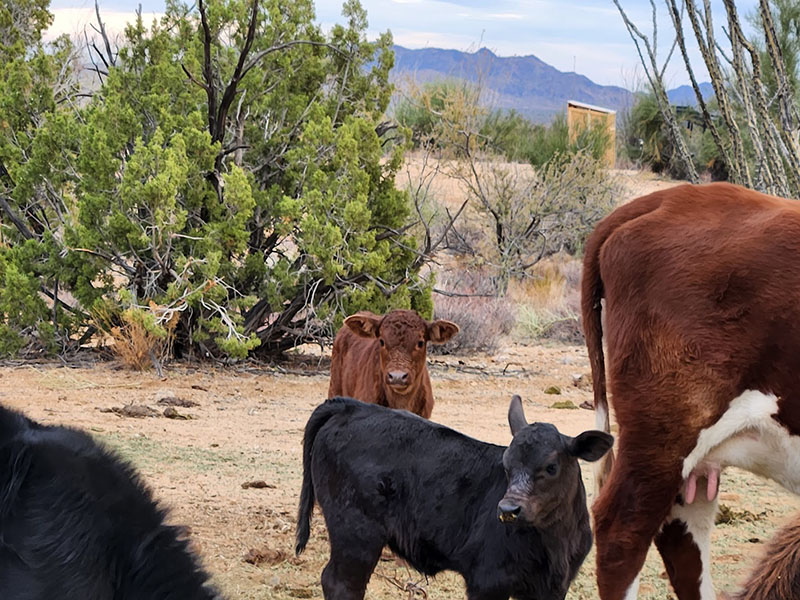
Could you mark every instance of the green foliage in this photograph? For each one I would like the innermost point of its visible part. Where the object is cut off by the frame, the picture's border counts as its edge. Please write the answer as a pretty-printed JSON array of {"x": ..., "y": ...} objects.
[
  {"x": 430, "y": 110},
  {"x": 541, "y": 143},
  {"x": 422, "y": 110},
  {"x": 244, "y": 225},
  {"x": 644, "y": 134},
  {"x": 646, "y": 141},
  {"x": 786, "y": 18}
]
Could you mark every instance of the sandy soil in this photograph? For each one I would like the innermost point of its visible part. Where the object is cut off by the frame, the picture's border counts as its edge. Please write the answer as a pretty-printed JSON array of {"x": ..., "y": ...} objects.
[
  {"x": 248, "y": 427},
  {"x": 436, "y": 177}
]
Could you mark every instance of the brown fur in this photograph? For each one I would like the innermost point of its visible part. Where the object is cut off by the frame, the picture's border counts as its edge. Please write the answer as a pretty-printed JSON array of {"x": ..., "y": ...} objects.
[
  {"x": 701, "y": 286},
  {"x": 360, "y": 365},
  {"x": 777, "y": 574},
  {"x": 681, "y": 559}
]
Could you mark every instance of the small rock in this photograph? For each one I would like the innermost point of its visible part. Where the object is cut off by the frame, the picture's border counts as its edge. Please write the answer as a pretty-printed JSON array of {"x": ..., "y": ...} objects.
[
  {"x": 264, "y": 555},
  {"x": 587, "y": 404},
  {"x": 175, "y": 401},
  {"x": 258, "y": 484},
  {"x": 553, "y": 390},
  {"x": 171, "y": 413},
  {"x": 582, "y": 381},
  {"x": 564, "y": 404},
  {"x": 132, "y": 410}
]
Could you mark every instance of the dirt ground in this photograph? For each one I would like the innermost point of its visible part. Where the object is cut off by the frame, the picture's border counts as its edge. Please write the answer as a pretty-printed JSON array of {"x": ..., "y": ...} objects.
[{"x": 247, "y": 426}]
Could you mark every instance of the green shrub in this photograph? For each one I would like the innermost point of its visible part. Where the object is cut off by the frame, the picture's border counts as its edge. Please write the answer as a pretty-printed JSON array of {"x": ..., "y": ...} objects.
[{"x": 257, "y": 205}]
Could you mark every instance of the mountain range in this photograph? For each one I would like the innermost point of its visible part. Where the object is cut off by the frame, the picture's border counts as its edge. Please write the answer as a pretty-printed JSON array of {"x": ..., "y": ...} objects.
[{"x": 523, "y": 83}]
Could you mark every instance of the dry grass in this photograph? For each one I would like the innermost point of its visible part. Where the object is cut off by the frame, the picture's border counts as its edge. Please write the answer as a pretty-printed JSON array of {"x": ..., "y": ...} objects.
[
  {"x": 134, "y": 338},
  {"x": 484, "y": 319},
  {"x": 548, "y": 302}
]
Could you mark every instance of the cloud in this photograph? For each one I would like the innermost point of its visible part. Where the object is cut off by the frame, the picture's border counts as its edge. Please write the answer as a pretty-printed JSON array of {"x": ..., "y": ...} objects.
[
  {"x": 484, "y": 16},
  {"x": 73, "y": 21},
  {"x": 585, "y": 34}
]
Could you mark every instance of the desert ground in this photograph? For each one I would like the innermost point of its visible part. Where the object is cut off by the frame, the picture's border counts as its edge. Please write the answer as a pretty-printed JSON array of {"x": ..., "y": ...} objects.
[{"x": 247, "y": 427}]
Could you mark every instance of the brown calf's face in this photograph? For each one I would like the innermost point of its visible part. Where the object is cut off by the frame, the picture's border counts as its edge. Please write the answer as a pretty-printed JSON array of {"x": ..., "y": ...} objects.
[
  {"x": 542, "y": 468},
  {"x": 403, "y": 337}
]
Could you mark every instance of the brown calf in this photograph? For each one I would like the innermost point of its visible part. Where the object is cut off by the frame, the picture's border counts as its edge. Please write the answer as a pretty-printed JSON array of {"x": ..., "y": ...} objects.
[
  {"x": 382, "y": 359},
  {"x": 702, "y": 325}
]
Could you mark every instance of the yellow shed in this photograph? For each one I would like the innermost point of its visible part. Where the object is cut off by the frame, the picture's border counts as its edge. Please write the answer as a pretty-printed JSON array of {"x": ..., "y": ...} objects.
[{"x": 581, "y": 115}]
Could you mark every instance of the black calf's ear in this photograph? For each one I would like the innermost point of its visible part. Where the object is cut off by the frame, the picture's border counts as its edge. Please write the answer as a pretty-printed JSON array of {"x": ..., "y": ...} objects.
[
  {"x": 591, "y": 445},
  {"x": 516, "y": 417}
]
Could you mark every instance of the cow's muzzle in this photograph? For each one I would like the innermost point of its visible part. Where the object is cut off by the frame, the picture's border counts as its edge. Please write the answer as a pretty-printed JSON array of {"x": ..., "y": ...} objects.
[
  {"x": 508, "y": 510},
  {"x": 397, "y": 379}
]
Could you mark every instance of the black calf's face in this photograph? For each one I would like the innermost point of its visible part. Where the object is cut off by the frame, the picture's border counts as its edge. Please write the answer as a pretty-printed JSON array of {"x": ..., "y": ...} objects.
[{"x": 542, "y": 468}]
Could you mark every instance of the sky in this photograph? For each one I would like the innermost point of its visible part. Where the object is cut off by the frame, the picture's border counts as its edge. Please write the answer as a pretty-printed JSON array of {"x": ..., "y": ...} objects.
[{"x": 585, "y": 36}]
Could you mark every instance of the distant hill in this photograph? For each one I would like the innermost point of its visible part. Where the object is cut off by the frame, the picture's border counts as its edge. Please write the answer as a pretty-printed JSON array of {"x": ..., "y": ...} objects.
[
  {"x": 685, "y": 96},
  {"x": 523, "y": 83}
]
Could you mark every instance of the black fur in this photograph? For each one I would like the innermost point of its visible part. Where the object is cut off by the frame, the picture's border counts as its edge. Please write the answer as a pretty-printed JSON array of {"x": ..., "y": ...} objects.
[
  {"x": 387, "y": 477},
  {"x": 77, "y": 524}
]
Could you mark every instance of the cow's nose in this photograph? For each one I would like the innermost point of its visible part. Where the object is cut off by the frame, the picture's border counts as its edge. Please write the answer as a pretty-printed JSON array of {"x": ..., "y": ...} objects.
[
  {"x": 508, "y": 511},
  {"x": 397, "y": 378}
]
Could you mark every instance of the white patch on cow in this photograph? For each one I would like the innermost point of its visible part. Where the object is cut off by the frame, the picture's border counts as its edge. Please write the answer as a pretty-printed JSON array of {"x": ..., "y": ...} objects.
[
  {"x": 746, "y": 436},
  {"x": 633, "y": 590},
  {"x": 699, "y": 520},
  {"x": 601, "y": 422}
]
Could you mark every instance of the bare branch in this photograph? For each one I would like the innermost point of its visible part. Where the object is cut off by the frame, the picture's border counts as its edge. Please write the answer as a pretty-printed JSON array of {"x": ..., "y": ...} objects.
[{"x": 655, "y": 78}]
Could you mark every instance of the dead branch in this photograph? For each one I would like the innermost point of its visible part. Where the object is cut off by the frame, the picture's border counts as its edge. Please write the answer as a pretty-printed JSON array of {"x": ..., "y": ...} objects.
[
  {"x": 654, "y": 76},
  {"x": 723, "y": 149},
  {"x": 703, "y": 27}
]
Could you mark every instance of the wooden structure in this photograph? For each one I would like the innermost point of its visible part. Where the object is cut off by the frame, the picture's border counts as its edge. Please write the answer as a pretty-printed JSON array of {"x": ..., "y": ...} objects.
[{"x": 580, "y": 116}]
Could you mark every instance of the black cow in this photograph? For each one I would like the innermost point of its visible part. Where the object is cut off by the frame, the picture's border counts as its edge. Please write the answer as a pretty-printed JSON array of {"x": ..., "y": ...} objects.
[
  {"x": 77, "y": 524},
  {"x": 433, "y": 495}
]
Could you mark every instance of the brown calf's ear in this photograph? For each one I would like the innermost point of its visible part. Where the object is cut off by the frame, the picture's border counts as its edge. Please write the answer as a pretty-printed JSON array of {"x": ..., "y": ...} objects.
[
  {"x": 591, "y": 445},
  {"x": 364, "y": 324},
  {"x": 516, "y": 416},
  {"x": 441, "y": 331}
]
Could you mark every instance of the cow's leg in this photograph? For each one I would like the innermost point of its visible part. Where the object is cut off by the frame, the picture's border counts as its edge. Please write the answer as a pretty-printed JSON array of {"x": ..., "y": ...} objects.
[
  {"x": 628, "y": 513},
  {"x": 355, "y": 550},
  {"x": 684, "y": 543}
]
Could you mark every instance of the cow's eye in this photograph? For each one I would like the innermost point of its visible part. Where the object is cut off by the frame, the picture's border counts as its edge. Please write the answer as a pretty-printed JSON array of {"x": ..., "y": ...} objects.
[
  {"x": 420, "y": 344},
  {"x": 551, "y": 469},
  {"x": 382, "y": 342}
]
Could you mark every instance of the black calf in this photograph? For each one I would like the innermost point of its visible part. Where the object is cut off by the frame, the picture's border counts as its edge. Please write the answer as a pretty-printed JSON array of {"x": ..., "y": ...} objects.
[
  {"x": 77, "y": 524},
  {"x": 386, "y": 477}
]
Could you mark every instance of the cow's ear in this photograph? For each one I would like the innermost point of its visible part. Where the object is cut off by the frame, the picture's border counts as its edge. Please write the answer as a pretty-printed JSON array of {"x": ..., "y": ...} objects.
[
  {"x": 364, "y": 324},
  {"x": 516, "y": 416},
  {"x": 591, "y": 445},
  {"x": 441, "y": 331}
]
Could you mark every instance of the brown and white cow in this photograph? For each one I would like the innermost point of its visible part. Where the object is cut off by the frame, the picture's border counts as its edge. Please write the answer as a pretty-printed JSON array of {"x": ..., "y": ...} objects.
[
  {"x": 382, "y": 359},
  {"x": 702, "y": 328}
]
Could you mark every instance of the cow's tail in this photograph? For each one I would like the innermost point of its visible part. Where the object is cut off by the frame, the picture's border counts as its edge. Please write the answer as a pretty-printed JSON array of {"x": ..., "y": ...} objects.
[
  {"x": 777, "y": 575},
  {"x": 591, "y": 307},
  {"x": 318, "y": 418},
  {"x": 592, "y": 294}
]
